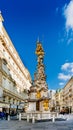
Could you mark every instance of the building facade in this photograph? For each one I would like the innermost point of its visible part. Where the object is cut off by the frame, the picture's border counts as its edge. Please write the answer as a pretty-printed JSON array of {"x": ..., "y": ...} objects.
[
  {"x": 68, "y": 95},
  {"x": 59, "y": 100},
  {"x": 15, "y": 79},
  {"x": 62, "y": 100},
  {"x": 52, "y": 101}
]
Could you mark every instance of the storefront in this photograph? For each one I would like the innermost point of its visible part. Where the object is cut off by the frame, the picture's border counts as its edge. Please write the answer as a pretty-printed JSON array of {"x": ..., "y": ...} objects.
[
  {"x": 4, "y": 107},
  {"x": 13, "y": 108},
  {"x": 20, "y": 108}
]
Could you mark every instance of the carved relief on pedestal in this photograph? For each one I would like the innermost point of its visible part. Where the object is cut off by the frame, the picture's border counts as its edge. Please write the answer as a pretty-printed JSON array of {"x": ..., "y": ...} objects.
[
  {"x": 45, "y": 104},
  {"x": 38, "y": 95}
]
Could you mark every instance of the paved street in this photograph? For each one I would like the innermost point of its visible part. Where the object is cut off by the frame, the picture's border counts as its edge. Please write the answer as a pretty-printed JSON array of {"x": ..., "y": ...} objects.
[{"x": 23, "y": 125}]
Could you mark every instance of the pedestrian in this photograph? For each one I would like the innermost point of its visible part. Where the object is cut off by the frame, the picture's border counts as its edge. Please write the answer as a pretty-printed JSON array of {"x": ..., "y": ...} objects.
[{"x": 7, "y": 115}]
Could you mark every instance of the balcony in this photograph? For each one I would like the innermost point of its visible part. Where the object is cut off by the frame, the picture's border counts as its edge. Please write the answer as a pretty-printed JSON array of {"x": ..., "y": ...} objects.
[{"x": 11, "y": 89}]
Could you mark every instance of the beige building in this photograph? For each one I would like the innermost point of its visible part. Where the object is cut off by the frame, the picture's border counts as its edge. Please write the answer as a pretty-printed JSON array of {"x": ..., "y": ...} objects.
[
  {"x": 14, "y": 77},
  {"x": 55, "y": 100},
  {"x": 52, "y": 100},
  {"x": 59, "y": 100},
  {"x": 68, "y": 95},
  {"x": 62, "y": 100}
]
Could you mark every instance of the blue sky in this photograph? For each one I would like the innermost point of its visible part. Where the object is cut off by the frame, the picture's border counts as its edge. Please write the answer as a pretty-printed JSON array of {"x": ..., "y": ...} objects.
[{"x": 52, "y": 21}]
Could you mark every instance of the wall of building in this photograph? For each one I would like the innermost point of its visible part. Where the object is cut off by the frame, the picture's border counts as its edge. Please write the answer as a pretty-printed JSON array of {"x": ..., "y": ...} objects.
[
  {"x": 14, "y": 77},
  {"x": 68, "y": 94}
]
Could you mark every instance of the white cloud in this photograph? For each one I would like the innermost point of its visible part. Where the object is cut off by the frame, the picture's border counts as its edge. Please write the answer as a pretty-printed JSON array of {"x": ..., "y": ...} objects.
[
  {"x": 68, "y": 13},
  {"x": 67, "y": 72},
  {"x": 72, "y": 70},
  {"x": 67, "y": 67},
  {"x": 62, "y": 76},
  {"x": 66, "y": 35},
  {"x": 61, "y": 83},
  {"x": 70, "y": 40}
]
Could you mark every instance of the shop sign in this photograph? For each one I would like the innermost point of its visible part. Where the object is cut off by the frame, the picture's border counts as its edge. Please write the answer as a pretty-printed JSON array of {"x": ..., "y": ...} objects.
[{"x": 2, "y": 105}]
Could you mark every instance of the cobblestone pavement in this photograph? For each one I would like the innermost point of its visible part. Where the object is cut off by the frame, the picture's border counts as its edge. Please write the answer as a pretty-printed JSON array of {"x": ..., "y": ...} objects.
[{"x": 23, "y": 125}]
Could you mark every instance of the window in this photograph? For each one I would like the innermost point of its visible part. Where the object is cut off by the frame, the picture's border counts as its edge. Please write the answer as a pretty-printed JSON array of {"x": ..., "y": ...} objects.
[
  {"x": 9, "y": 57},
  {"x": 4, "y": 61},
  {"x": 4, "y": 82},
  {"x": 3, "y": 50}
]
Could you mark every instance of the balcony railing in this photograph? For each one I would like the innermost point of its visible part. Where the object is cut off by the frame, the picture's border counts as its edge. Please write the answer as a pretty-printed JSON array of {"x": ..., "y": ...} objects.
[{"x": 13, "y": 90}]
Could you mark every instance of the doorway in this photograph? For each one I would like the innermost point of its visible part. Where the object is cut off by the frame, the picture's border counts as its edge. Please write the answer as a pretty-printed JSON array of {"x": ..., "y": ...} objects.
[{"x": 37, "y": 106}]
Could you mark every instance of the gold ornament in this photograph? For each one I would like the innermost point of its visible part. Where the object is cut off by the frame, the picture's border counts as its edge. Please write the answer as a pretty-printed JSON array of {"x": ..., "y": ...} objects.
[{"x": 38, "y": 95}]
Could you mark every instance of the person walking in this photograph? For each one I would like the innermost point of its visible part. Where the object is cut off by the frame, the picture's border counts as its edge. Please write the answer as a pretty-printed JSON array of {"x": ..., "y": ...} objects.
[{"x": 7, "y": 115}]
